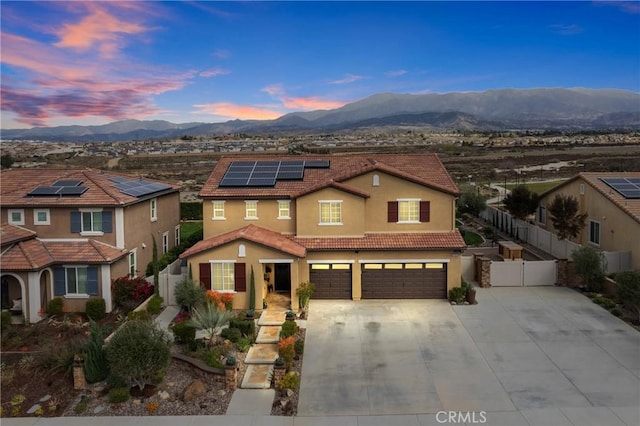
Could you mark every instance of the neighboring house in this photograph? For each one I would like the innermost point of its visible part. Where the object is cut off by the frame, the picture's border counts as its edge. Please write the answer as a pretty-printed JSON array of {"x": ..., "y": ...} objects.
[
  {"x": 70, "y": 233},
  {"x": 357, "y": 226},
  {"x": 612, "y": 203}
]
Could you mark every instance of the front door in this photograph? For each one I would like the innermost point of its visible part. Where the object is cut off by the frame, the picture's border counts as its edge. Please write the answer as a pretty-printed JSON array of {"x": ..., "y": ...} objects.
[{"x": 282, "y": 277}]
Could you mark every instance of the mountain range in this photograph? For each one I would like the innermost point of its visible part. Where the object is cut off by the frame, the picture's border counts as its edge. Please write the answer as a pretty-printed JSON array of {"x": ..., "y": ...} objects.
[{"x": 504, "y": 109}]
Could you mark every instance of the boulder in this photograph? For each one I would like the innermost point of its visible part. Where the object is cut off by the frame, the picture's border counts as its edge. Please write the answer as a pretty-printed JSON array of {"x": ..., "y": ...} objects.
[{"x": 194, "y": 390}]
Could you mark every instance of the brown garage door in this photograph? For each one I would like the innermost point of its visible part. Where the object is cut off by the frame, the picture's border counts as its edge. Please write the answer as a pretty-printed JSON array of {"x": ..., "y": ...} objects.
[
  {"x": 404, "y": 281},
  {"x": 332, "y": 281}
]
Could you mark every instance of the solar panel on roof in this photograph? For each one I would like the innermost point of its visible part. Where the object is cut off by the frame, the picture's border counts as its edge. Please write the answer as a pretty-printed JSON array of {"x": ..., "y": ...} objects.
[
  {"x": 290, "y": 175},
  {"x": 629, "y": 188},
  {"x": 634, "y": 180},
  {"x": 73, "y": 190},
  {"x": 631, "y": 194},
  {"x": 266, "y": 173},
  {"x": 261, "y": 182},
  {"x": 139, "y": 187},
  {"x": 118, "y": 179},
  {"x": 316, "y": 164},
  {"x": 45, "y": 190},
  {"x": 67, "y": 182}
]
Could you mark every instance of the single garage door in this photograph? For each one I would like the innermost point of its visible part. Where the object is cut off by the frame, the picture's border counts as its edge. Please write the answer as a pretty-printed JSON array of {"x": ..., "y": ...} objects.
[
  {"x": 404, "y": 281},
  {"x": 332, "y": 281}
]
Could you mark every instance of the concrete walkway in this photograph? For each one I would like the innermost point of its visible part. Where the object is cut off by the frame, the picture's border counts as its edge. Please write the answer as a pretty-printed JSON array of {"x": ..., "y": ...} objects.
[{"x": 165, "y": 317}]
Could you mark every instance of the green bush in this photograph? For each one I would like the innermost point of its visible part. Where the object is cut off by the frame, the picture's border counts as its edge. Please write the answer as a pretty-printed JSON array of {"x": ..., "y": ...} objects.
[
  {"x": 232, "y": 334},
  {"x": 139, "y": 353},
  {"x": 55, "y": 306},
  {"x": 243, "y": 344},
  {"x": 289, "y": 328},
  {"x": 185, "y": 333},
  {"x": 246, "y": 326},
  {"x": 213, "y": 357},
  {"x": 5, "y": 320},
  {"x": 96, "y": 366},
  {"x": 590, "y": 264},
  {"x": 139, "y": 315},
  {"x": 605, "y": 302},
  {"x": 628, "y": 290},
  {"x": 458, "y": 295},
  {"x": 191, "y": 210},
  {"x": 189, "y": 294},
  {"x": 154, "y": 306},
  {"x": 304, "y": 292},
  {"x": 96, "y": 308},
  {"x": 291, "y": 380},
  {"x": 118, "y": 395},
  {"x": 616, "y": 312},
  {"x": 299, "y": 346}
]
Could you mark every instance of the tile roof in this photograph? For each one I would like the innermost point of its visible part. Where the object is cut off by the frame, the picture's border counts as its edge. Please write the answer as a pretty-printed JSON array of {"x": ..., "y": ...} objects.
[
  {"x": 424, "y": 169},
  {"x": 629, "y": 206},
  {"x": 17, "y": 183},
  {"x": 36, "y": 254},
  {"x": 386, "y": 241},
  {"x": 251, "y": 233},
  {"x": 13, "y": 234}
]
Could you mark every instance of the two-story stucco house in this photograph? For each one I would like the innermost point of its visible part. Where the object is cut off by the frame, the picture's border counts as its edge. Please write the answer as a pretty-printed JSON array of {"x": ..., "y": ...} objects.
[
  {"x": 612, "y": 204},
  {"x": 357, "y": 226},
  {"x": 70, "y": 233}
]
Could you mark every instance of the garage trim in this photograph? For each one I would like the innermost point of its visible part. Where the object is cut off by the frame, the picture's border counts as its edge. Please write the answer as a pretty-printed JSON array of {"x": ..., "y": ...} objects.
[
  {"x": 311, "y": 262},
  {"x": 404, "y": 260}
]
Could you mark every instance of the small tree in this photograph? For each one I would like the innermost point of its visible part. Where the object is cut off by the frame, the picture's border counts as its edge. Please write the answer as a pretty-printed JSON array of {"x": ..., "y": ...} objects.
[
  {"x": 304, "y": 292},
  {"x": 471, "y": 201},
  {"x": 139, "y": 353},
  {"x": 590, "y": 264},
  {"x": 156, "y": 268},
  {"x": 252, "y": 291},
  {"x": 189, "y": 294},
  {"x": 564, "y": 215},
  {"x": 521, "y": 202},
  {"x": 628, "y": 290}
]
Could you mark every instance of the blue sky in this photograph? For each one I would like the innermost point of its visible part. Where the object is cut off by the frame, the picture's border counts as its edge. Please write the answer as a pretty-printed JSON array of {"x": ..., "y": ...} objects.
[{"x": 95, "y": 62}]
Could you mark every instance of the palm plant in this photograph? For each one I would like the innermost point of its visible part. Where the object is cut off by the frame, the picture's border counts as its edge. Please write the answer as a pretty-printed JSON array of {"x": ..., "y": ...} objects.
[{"x": 207, "y": 317}]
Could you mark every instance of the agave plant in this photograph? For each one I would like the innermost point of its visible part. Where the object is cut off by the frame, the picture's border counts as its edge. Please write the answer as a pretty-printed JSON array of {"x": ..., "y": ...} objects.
[{"x": 209, "y": 318}]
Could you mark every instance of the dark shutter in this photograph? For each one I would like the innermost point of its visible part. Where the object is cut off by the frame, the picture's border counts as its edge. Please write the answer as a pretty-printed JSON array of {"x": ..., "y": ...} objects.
[
  {"x": 240, "y": 274},
  {"x": 107, "y": 227},
  {"x": 76, "y": 222},
  {"x": 392, "y": 211},
  {"x": 59, "y": 282},
  {"x": 205, "y": 275},
  {"x": 425, "y": 211},
  {"x": 92, "y": 280}
]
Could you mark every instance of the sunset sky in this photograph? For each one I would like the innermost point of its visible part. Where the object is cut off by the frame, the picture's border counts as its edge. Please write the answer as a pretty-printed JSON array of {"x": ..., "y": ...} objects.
[{"x": 95, "y": 62}]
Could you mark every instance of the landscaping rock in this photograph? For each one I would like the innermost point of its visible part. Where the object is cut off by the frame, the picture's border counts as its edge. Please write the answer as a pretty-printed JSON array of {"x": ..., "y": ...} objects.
[
  {"x": 194, "y": 390},
  {"x": 164, "y": 395},
  {"x": 288, "y": 393},
  {"x": 34, "y": 409},
  {"x": 99, "y": 409},
  {"x": 45, "y": 398}
]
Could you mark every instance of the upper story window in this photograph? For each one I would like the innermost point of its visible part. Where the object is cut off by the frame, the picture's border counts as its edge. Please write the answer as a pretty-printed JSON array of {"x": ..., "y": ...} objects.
[
  {"x": 376, "y": 180},
  {"x": 154, "y": 209},
  {"x": 91, "y": 222},
  {"x": 16, "y": 216},
  {"x": 133, "y": 260},
  {"x": 41, "y": 217},
  {"x": 542, "y": 215},
  {"x": 594, "y": 232},
  {"x": 251, "y": 209},
  {"x": 218, "y": 210},
  {"x": 330, "y": 212},
  {"x": 176, "y": 235},
  {"x": 284, "y": 209},
  {"x": 165, "y": 242},
  {"x": 409, "y": 211}
]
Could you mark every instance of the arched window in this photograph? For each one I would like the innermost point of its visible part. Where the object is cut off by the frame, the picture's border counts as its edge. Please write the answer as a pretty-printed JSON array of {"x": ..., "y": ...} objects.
[
  {"x": 376, "y": 180},
  {"x": 242, "y": 251}
]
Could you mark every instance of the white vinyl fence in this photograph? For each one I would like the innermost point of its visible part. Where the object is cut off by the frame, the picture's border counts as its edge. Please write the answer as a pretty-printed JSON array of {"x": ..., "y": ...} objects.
[
  {"x": 546, "y": 241},
  {"x": 168, "y": 278}
]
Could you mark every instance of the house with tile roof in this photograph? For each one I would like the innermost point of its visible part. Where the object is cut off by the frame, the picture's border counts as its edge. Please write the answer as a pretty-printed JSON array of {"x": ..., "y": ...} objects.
[
  {"x": 612, "y": 204},
  {"x": 357, "y": 226},
  {"x": 70, "y": 232}
]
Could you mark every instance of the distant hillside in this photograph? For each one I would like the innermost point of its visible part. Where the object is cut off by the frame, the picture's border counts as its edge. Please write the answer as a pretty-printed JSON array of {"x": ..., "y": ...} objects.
[{"x": 575, "y": 109}]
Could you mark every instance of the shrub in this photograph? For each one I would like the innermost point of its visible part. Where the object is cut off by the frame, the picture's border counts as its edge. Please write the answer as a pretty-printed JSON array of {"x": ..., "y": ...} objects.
[
  {"x": 139, "y": 315},
  {"x": 291, "y": 380},
  {"x": 458, "y": 295},
  {"x": 286, "y": 350},
  {"x": 589, "y": 263},
  {"x": 628, "y": 289},
  {"x": 185, "y": 333},
  {"x": 60, "y": 358},
  {"x": 96, "y": 309},
  {"x": 605, "y": 302},
  {"x": 299, "y": 346},
  {"x": 55, "y": 306},
  {"x": 243, "y": 344},
  {"x": 139, "y": 353},
  {"x": 130, "y": 292},
  {"x": 82, "y": 405},
  {"x": 118, "y": 395},
  {"x": 304, "y": 292},
  {"x": 189, "y": 294},
  {"x": 616, "y": 312},
  {"x": 232, "y": 334},
  {"x": 209, "y": 319},
  {"x": 289, "y": 328},
  {"x": 246, "y": 326},
  {"x": 221, "y": 300},
  {"x": 213, "y": 357},
  {"x": 96, "y": 367},
  {"x": 182, "y": 316},
  {"x": 5, "y": 320},
  {"x": 154, "y": 306}
]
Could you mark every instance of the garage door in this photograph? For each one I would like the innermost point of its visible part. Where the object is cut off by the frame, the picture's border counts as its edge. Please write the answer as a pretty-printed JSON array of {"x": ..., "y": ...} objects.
[
  {"x": 332, "y": 281},
  {"x": 404, "y": 281}
]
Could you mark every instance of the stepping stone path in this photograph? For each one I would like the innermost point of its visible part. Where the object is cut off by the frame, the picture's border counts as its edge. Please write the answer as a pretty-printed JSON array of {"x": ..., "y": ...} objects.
[{"x": 263, "y": 354}]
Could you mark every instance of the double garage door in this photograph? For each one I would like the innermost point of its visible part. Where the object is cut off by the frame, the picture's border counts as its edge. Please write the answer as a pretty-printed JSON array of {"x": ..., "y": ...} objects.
[{"x": 381, "y": 280}]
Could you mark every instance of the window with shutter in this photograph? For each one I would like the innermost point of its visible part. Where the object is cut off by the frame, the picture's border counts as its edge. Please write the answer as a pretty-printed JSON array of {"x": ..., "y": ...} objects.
[
  {"x": 425, "y": 211},
  {"x": 392, "y": 211},
  {"x": 240, "y": 272},
  {"x": 205, "y": 275}
]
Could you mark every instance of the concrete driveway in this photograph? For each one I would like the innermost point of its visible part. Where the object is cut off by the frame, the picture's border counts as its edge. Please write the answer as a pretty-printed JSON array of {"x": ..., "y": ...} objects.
[{"x": 541, "y": 355}]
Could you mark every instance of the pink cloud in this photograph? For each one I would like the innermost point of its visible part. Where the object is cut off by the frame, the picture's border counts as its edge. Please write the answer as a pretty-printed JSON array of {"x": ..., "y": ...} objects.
[
  {"x": 349, "y": 78},
  {"x": 276, "y": 89},
  {"x": 214, "y": 72},
  {"x": 310, "y": 103},
  {"x": 236, "y": 111}
]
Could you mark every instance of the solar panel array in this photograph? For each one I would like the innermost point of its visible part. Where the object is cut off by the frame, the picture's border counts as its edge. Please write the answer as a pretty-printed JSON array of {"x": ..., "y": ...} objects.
[
  {"x": 60, "y": 188},
  {"x": 266, "y": 173},
  {"x": 138, "y": 187},
  {"x": 627, "y": 187}
]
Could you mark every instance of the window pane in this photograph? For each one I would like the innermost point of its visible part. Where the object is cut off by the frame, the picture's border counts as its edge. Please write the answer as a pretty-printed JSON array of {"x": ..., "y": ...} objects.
[
  {"x": 409, "y": 211},
  {"x": 373, "y": 266},
  {"x": 324, "y": 213},
  {"x": 97, "y": 221},
  {"x": 434, "y": 265},
  {"x": 82, "y": 280},
  {"x": 319, "y": 266},
  {"x": 393, "y": 266},
  {"x": 413, "y": 266},
  {"x": 42, "y": 216},
  {"x": 71, "y": 280},
  {"x": 86, "y": 221},
  {"x": 341, "y": 266}
]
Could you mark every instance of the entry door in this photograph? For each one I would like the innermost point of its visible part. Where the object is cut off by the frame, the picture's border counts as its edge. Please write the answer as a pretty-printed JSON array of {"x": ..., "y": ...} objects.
[{"x": 282, "y": 277}]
